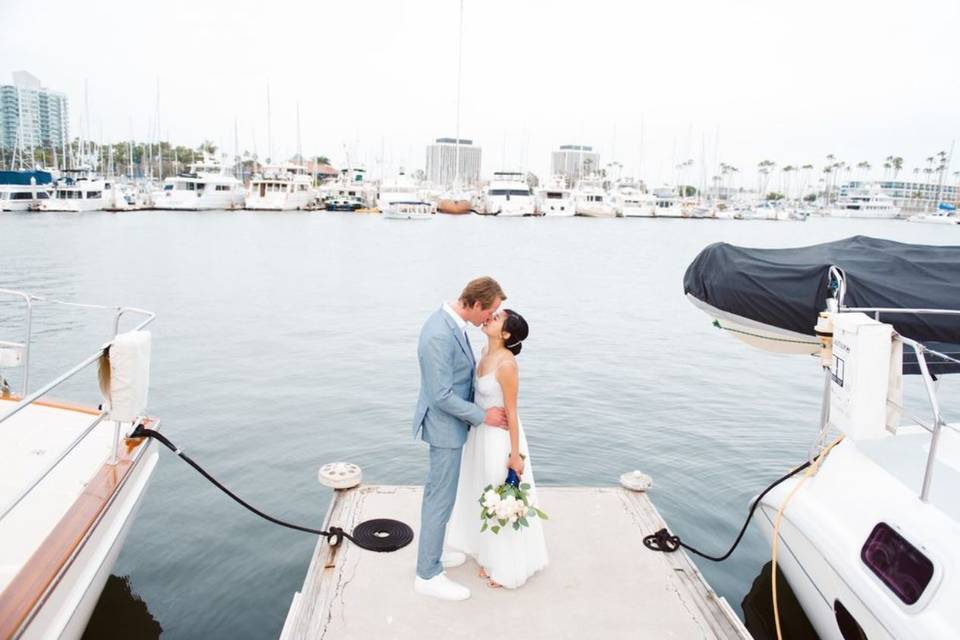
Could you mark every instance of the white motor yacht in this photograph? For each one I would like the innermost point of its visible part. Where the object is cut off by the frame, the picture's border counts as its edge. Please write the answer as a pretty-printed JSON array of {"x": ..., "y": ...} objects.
[
  {"x": 633, "y": 202},
  {"x": 508, "y": 195},
  {"x": 555, "y": 199},
  {"x": 865, "y": 202},
  {"x": 281, "y": 187},
  {"x": 667, "y": 203},
  {"x": 592, "y": 201},
  {"x": 400, "y": 188},
  {"x": 24, "y": 190},
  {"x": 349, "y": 192},
  {"x": 866, "y": 535},
  {"x": 409, "y": 210},
  {"x": 208, "y": 186},
  {"x": 79, "y": 190},
  {"x": 71, "y": 481}
]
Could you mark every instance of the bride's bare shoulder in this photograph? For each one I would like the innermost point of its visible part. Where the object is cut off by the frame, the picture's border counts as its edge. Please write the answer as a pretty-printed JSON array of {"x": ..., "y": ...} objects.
[{"x": 507, "y": 364}]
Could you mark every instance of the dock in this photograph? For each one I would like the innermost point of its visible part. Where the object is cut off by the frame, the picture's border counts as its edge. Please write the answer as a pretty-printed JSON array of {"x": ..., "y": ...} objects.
[{"x": 601, "y": 582}]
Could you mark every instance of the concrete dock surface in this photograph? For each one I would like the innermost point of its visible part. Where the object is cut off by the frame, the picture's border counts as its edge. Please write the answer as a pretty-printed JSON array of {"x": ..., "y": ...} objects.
[{"x": 601, "y": 582}]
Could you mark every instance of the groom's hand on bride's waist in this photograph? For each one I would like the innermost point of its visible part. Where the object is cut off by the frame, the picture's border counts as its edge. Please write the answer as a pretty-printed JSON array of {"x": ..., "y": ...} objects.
[{"x": 496, "y": 417}]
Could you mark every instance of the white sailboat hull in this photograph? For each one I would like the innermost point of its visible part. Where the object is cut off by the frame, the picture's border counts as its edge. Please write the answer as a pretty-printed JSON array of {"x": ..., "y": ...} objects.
[
  {"x": 66, "y": 610},
  {"x": 830, "y": 518}
]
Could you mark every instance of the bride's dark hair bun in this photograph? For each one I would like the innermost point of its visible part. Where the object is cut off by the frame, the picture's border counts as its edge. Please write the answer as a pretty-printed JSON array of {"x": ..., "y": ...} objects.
[{"x": 516, "y": 326}]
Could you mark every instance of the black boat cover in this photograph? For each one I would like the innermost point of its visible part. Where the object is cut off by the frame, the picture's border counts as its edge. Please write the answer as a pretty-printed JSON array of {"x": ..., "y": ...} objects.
[{"x": 788, "y": 288}]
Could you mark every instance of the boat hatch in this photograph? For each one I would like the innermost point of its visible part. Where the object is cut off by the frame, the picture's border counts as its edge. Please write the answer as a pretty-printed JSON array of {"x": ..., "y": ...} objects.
[{"x": 903, "y": 568}]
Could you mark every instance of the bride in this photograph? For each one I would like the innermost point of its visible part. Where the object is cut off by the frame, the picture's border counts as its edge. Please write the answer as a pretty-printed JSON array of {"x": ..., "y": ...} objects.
[{"x": 511, "y": 556}]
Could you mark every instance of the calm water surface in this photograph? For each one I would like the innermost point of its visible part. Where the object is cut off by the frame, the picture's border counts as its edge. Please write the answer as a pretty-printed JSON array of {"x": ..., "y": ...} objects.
[{"x": 285, "y": 341}]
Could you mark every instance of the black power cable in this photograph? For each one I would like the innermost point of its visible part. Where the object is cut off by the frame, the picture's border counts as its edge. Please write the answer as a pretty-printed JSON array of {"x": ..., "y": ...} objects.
[
  {"x": 381, "y": 534},
  {"x": 664, "y": 541}
]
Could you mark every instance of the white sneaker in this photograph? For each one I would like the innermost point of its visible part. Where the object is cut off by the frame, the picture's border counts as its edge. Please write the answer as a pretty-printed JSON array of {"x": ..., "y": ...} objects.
[
  {"x": 441, "y": 587},
  {"x": 451, "y": 559}
]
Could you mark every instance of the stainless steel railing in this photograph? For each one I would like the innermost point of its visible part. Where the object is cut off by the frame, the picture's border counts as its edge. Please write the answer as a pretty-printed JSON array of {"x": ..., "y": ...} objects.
[
  {"x": 28, "y": 399},
  {"x": 920, "y": 351}
]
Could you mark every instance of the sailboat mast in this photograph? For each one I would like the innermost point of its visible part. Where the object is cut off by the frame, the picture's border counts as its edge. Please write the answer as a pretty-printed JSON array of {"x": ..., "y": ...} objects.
[
  {"x": 456, "y": 162},
  {"x": 299, "y": 149},
  {"x": 269, "y": 129},
  {"x": 237, "y": 169}
]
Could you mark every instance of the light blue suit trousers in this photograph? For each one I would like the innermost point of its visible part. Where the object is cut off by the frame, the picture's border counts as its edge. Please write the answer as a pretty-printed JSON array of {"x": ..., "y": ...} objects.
[{"x": 445, "y": 411}]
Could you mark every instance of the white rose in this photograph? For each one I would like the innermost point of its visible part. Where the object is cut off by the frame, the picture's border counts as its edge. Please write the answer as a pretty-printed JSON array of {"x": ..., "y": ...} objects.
[
  {"x": 503, "y": 510},
  {"x": 513, "y": 518},
  {"x": 491, "y": 499}
]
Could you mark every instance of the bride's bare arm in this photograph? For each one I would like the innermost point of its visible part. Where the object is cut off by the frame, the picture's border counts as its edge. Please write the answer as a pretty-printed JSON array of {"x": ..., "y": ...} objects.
[{"x": 509, "y": 378}]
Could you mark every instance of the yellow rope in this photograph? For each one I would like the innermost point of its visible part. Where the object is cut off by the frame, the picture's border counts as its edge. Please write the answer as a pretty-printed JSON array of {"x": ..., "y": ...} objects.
[{"x": 811, "y": 470}]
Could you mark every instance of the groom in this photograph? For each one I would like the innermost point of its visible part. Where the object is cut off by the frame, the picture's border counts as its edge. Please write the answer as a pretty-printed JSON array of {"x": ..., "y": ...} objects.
[{"x": 445, "y": 412}]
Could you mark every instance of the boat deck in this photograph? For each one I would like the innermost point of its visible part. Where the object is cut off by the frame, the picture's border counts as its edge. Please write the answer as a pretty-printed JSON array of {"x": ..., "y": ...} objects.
[
  {"x": 30, "y": 441},
  {"x": 601, "y": 582}
]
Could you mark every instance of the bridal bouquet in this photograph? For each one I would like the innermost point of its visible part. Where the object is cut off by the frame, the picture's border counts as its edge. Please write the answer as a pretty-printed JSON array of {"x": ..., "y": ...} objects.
[{"x": 508, "y": 504}]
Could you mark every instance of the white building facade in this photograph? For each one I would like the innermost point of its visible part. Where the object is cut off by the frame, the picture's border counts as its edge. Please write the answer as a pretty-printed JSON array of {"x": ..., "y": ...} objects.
[
  {"x": 574, "y": 161},
  {"x": 32, "y": 117},
  {"x": 442, "y": 162}
]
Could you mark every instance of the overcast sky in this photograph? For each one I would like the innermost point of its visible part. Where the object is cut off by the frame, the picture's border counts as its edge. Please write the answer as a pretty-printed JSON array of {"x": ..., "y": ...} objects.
[{"x": 785, "y": 81}]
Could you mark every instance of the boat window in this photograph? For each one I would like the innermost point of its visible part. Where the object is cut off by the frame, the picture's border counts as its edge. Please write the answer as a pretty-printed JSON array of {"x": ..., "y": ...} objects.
[
  {"x": 23, "y": 195},
  {"x": 223, "y": 187},
  {"x": 554, "y": 195},
  {"x": 168, "y": 187},
  {"x": 93, "y": 194},
  {"x": 900, "y": 566},
  {"x": 43, "y": 195},
  {"x": 106, "y": 185},
  {"x": 201, "y": 185},
  {"x": 850, "y": 629}
]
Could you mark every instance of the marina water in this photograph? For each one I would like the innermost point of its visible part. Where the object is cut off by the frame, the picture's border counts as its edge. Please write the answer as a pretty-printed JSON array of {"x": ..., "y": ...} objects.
[{"x": 285, "y": 341}]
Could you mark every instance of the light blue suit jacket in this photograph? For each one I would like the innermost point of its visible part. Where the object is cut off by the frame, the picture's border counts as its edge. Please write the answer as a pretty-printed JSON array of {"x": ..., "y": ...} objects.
[{"x": 445, "y": 409}]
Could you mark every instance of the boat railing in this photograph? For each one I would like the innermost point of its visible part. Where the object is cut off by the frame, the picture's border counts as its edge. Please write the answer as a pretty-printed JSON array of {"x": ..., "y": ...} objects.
[
  {"x": 921, "y": 351},
  {"x": 28, "y": 398}
]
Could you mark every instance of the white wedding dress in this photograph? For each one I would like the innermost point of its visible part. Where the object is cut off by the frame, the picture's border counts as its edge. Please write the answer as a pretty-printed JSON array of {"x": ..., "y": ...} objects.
[{"x": 509, "y": 557}]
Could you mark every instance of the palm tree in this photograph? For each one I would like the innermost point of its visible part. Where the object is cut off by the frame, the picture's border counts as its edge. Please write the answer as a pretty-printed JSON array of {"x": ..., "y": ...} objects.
[
  {"x": 864, "y": 166},
  {"x": 897, "y": 163},
  {"x": 807, "y": 169},
  {"x": 764, "y": 168},
  {"x": 786, "y": 179}
]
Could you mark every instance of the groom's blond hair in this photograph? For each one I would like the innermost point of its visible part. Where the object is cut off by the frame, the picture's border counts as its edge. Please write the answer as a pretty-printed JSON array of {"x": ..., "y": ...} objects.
[{"x": 484, "y": 290}]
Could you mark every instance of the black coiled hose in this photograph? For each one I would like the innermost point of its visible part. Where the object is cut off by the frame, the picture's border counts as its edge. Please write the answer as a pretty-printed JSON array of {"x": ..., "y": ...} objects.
[{"x": 382, "y": 535}]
